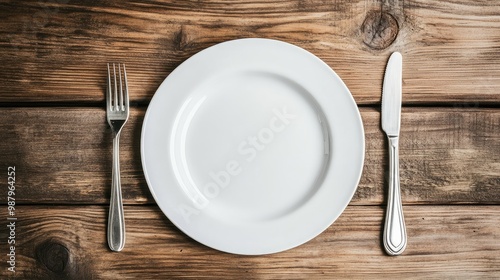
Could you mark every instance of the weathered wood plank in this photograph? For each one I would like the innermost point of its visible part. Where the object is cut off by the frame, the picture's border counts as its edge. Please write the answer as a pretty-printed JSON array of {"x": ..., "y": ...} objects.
[
  {"x": 56, "y": 50},
  {"x": 449, "y": 154},
  {"x": 69, "y": 242},
  {"x": 63, "y": 155}
]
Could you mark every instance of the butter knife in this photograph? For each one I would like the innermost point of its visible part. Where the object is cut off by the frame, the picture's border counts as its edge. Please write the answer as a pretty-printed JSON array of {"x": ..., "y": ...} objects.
[{"x": 394, "y": 237}]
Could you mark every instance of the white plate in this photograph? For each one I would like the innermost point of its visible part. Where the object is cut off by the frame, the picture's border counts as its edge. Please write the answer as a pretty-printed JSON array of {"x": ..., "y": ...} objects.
[{"x": 252, "y": 146}]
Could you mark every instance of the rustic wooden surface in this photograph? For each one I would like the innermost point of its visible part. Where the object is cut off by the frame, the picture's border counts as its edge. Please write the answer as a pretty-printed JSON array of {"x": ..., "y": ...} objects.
[
  {"x": 53, "y": 127},
  {"x": 446, "y": 242},
  {"x": 450, "y": 48},
  {"x": 448, "y": 155}
]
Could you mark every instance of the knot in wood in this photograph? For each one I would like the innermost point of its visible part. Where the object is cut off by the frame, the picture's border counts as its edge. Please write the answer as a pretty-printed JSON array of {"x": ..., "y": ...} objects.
[
  {"x": 53, "y": 255},
  {"x": 181, "y": 40},
  {"x": 379, "y": 30}
]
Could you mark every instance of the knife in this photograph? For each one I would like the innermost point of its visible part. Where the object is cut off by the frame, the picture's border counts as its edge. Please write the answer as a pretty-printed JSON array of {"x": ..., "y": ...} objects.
[{"x": 394, "y": 237}]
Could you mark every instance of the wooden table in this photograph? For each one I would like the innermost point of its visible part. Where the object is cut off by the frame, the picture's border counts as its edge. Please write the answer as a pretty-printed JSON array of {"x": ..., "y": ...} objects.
[{"x": 54, "y": 132}]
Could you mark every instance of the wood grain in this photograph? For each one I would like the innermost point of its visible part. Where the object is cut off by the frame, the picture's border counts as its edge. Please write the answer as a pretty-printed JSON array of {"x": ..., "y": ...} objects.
[
  {"x": 55, "y": 51},
  {"x": 52, "y": 121},
  {"x": 63, "y": 155},
  {"x": 444, "y": 242}
]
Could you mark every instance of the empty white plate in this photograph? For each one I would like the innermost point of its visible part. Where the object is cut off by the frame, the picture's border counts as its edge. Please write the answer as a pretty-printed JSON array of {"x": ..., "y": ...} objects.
[{"x": 252, "y": 146}]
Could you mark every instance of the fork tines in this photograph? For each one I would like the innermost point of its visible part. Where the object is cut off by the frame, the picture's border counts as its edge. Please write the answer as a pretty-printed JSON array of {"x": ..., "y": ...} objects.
[{"x": 117, "y": 91}]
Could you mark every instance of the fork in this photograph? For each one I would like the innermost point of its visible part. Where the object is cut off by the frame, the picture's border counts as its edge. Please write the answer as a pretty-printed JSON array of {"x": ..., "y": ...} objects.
[{"x": 117, "y": 112}]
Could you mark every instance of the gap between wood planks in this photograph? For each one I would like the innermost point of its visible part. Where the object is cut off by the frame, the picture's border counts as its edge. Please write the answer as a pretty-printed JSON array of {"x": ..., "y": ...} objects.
[{"x": 102, "y": 104}]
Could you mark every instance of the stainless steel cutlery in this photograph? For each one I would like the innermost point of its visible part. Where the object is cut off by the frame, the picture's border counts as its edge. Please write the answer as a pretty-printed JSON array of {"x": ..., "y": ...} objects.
[
  {"x": 117, "y": 111},
  {"x": 394, "y": 236}
]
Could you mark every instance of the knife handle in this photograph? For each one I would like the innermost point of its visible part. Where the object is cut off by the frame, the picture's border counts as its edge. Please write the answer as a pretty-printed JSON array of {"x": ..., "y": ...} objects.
[
  {"x": 395, "y": 230},
  {"x": 116, "y": 220}
]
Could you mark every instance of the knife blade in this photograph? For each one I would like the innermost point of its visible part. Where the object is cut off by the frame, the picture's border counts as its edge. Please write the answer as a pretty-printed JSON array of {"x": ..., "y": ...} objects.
[
  {"x": 394, "y": 237},
  {"x": 392, "y": 95}
]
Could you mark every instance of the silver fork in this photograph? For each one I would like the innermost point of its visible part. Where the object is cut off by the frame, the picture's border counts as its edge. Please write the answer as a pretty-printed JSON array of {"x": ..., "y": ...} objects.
[{"x": 117, "y": 111}]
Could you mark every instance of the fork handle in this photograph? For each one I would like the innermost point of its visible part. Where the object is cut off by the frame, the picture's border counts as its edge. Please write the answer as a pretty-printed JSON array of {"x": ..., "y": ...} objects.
[
  {"x": 395, "y": 230},
  {"x": 116, "y": 221}
]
